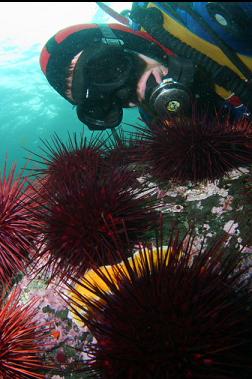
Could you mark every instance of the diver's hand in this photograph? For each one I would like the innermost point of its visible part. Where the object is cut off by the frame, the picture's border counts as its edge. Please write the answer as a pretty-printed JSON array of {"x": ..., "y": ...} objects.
[{"x": 158, "y": 72}]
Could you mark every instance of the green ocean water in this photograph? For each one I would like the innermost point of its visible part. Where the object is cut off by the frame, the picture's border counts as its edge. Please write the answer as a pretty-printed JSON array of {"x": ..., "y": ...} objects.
[
  {"x": 31, "y": 112},
  {"x": 31, "y": 109}
]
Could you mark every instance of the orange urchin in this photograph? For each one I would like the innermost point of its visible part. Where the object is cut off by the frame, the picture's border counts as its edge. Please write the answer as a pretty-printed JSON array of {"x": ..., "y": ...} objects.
[{"x": 165, "y": 315}]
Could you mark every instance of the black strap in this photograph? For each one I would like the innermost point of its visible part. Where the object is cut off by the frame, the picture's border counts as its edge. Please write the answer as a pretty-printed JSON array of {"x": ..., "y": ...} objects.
[
  {"x": 109, "y": 37},
  {"x": 226, "y": 49}
]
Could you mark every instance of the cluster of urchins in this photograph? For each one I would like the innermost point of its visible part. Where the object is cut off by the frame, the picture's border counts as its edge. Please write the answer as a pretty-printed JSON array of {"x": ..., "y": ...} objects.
[{"x": 155, "y": 309}]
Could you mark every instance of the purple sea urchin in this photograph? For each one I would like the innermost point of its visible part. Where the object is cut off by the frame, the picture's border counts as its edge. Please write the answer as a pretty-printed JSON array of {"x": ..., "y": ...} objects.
[
  {"x": 21, "y": 340},
  {"x": 18, "y": 226},
  {"x": 83, "y": 204},
  {"x": 169, "y": 317},
  {"x": 196, "y": 149}
]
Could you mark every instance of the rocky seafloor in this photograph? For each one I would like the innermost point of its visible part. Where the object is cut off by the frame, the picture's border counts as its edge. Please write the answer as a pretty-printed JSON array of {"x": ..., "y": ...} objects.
[{"x": 213, "y": 209}]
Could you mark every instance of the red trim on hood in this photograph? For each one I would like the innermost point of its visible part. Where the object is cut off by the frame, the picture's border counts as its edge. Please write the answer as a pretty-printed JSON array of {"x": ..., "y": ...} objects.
[
  {"x": 44, "y": 58},
  {"x": 64, "y": 33},
  {"x": 234, "y": 101}
]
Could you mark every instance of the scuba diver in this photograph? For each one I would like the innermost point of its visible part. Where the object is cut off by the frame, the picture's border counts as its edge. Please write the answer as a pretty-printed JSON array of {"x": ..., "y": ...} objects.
[{"x": 170, "y": 56}]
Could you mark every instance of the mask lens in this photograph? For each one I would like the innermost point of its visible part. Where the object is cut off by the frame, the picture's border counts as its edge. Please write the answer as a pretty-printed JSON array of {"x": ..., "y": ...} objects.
[
  {"x": 100, "y": 116},
  {"x": 110, "y": 71}
]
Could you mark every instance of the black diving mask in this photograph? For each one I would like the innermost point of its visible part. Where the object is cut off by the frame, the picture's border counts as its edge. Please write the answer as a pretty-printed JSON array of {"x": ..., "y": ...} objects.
[{"x": 104, "y": 97}]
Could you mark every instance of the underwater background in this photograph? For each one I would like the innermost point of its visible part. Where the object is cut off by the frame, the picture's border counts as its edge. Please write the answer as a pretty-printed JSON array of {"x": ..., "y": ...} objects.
[
  {"x": 30, "y": 108},
  {"x": 32, "y": 111}
]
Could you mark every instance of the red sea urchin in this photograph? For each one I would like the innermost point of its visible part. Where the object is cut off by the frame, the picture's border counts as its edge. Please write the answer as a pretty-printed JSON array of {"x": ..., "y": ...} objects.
[
  {"x": 21, "y": 339},
  {"x": 194, "y": 149},
  {"x": 83, "y": 202},
  {"x": 18, "y": 227},
  {"x": 62, "y": 162},
  {"x": 169, "y": 316}
]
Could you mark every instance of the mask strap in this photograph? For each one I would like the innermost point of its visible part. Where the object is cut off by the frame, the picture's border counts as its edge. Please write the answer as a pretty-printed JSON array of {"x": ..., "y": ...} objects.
[{"x": 109, "y": 37}]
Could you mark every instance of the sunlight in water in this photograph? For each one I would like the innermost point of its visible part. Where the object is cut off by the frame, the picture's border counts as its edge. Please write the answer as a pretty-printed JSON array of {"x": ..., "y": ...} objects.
[{"x": 23, "y": 23}]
